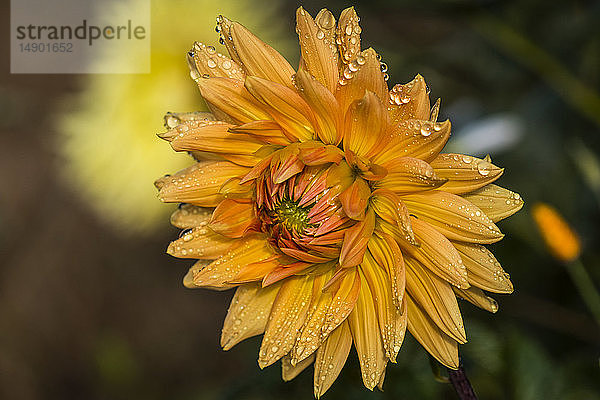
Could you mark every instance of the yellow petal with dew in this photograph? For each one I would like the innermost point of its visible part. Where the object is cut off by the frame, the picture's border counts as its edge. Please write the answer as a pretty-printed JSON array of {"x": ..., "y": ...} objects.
[
  {"x": 410, "y": 101},
  {"x": 365, "y": 124},
  {"x": 441, "y": 346},
  {"x": 495, "y": 201},
  {"x": 484, "y": 270},
  {"x": 248, "y": 313},
  {"x": 287, "y": 316},
  {"x": 408, "y": 175},
  {"x": 318, "y": 55},
  {"x": 199, "y": 184},
  {"x": 453, "y": 216},
  {"x": 477, "y": 297},
  {"x": 200, "y": 243},
  {"x": 464, "y": 173},
  {"x": 289, "y": 371},
  {"x": 205, "y": 61},
  {"x": 233, "y": 218},
  {"x": 367, "y": 339},
  {"x": 436, "y": 298},
  {"x": 348, "y": 35},
  {"x": 188, "y": 216},
  {"x": 331, "y": 357}
]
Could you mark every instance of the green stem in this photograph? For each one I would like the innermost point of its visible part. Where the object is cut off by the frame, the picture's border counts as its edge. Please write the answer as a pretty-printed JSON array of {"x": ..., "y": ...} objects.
[
  {"x": 576, "y": 93},
  {"x": 585, "y": 286}
]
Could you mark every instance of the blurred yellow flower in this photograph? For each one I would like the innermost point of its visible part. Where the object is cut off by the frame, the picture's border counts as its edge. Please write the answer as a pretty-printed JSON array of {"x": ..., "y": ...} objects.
[
  {"x": 561, "y": 240},
  {"x": 323, "y": 197},
  {"x": 108, "y": 156}
]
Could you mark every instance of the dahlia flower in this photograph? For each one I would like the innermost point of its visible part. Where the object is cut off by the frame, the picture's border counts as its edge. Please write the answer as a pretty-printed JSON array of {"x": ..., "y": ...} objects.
[{"x": 323, "y": 198}]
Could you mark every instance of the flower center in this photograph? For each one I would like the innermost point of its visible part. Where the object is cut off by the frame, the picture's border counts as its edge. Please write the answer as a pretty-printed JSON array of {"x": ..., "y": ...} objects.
[{"x": 291, "y": 215}]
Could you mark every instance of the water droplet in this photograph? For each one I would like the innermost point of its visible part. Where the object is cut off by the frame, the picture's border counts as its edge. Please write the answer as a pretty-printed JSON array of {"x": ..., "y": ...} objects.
[
  {"x": 320, "y": 35},
  {"x": 211, "y": 50},
  {"x": 211, "y": 63},
  {"x": 483, "y": 168}
]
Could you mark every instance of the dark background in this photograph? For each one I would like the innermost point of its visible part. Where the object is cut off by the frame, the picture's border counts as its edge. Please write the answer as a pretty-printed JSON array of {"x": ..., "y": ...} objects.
[{"x": 91, "y": 310}]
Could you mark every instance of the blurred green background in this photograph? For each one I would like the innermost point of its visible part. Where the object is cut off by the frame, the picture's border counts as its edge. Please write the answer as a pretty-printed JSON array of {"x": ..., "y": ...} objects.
[{"x": 92, "y": 308}]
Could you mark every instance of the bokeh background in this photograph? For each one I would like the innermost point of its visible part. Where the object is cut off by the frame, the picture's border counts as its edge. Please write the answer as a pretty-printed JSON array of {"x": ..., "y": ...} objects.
[{"x": 92, "y": 308}]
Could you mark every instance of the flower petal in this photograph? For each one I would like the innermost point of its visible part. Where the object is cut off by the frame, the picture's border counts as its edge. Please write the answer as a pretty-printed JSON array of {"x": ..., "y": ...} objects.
[
  {"x": 414, "y": 138},
  {"x": 316, "y": 153},
  {"x": 367, "y": 339},
  {"x": 437, "y": 254},
  {"x": 408, "y": 174},
  {"x": 188, "y": 216},
  {"x": 484, "y": 270},
  {"x": 392, "y": 323},
  {"x": 285, "y": 106},
  {"x": 331, "y": 357},
  {"x": 229, "y": 100},
  {"x": 200, "y": 243},
  {"x": 348, "y": 35},
  {"x": 289, "y": 371},
  {"x": 464, "y": 173},
  {"x": 285, "y": 164},
  {"x": 387, "y": 255},
  {"x": 345, "y": 293},
  {"x": 318, "y": 54},
  {"x": 233, "y": 218},
  {"x": 214, "y": 137},
  {"x": 410, "y": 101},
  {"x": 477, "y": 297},
  {"x": 361, "y": 75},
  {"x": 355, "y": 241},
  {"x": 218, "y": 273},
  {"x": 204, "y": 60},
  {"x": 453, "y": 216},
  {"x": 257, "y": 58},
  {"x": 286, "y": 318},
  {"x": 390, "y": 208},
  {"x": 441, "y": 346},
  {"x": 327, "y": 113},
  {"x": 364, "y": 125},
  {"x": 355, "y": 199},
  {"x": 495, "y": 201},
  {"x": 435, "y": 297},
  {"x": 248, "y": 313},
  {"x": 199, "y": 184},
  {"x": 268, "y": 132}
]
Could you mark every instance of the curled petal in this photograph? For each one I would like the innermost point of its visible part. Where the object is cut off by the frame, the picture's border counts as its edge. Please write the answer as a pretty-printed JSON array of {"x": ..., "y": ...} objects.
[
  {"x": 327, "y": 113},
  {"x": 204, "y": 60},
  {"x": 407, "y": 174},
  {"x": 495, "y": 201},
  {"x": 286, "y": 318},
  {"x": 410, "y": 101},
  {"x": 229, "y": 100},
  {"x": 414, "y": 138},
  {"x": 355, "y": 199},
  {"x": 285, "y": 164},
  {"x": 484, "y": 270},
  {"x": 200, "y": 243},
  {"x": 441, "y": 346},
  {"x": 319, "y": 55},
  {"x": 436, "y": 298},
  {"x": 232, "y": 218},
  {"x": 477, "y": 297},
  {"x": 465, "y": 173},
  {"x": 331, "y": 357},
  {"x": 199, "y": 184},
  {"x": 248, "y": 313},
  {"x": 356, "y": 240},
  {"x": 364, "y": 125},
  {"x": 289, "y": 371},
  {"x": 285, "y": 106},
  {"x": 453, "y": 216},
  {"x": 390, "y": 208}
]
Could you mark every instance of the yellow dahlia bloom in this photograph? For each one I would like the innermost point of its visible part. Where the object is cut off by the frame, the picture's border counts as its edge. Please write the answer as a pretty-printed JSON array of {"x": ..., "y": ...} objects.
[{"x": 322, "y": 196}]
